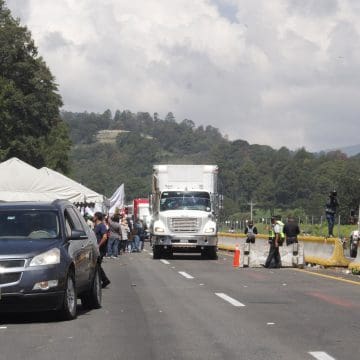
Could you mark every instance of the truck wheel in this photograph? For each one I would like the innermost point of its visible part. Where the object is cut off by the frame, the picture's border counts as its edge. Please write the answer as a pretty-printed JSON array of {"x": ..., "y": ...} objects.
[
  {"x": 68, "y": 310},
  {"x": 92, "y": 298},
  {"x": 209, "y": 253},
  {"x": 157, "y": 252},
  {"x": 212, "y": 253}
]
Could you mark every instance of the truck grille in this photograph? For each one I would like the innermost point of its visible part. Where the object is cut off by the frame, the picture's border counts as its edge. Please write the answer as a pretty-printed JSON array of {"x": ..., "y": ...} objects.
[
  {"x": 184, "y": 225},
  {"x": 9, "y": 278}
]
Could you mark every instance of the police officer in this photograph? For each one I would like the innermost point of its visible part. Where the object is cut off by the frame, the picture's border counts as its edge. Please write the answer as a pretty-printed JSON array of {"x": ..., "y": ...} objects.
[
  {"x": 276, "y": 238},
  {"x": 251, "y": 232},
  {"x": 291, "y": 231},
  {"x": 330, "y": 211}
]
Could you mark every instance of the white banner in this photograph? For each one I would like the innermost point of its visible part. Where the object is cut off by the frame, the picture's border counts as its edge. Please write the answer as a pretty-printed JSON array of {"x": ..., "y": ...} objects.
[{"x": 117, "y": 200}]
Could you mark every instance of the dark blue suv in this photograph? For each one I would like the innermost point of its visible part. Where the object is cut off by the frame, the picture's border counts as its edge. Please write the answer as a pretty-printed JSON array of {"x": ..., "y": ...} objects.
[{"x": 48, "y": 258}]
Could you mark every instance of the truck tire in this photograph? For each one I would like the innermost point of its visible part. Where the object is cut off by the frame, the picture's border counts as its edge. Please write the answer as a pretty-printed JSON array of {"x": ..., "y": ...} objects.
[
  {"x": 157, "y": 252},
  {"x": 210, "y": 253}
]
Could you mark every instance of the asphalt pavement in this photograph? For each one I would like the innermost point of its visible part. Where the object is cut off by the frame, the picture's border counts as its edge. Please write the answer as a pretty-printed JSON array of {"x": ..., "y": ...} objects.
[{"x": 190, "y": 308}]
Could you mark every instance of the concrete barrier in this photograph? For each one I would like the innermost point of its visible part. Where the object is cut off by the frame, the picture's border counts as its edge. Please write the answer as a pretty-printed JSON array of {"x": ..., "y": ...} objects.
[
  {"x": 325, "y": 252},
  {"x": 254, "y": 255},
  {"x": 355, "y": 264},
  {"x": 312, "y": 249}
]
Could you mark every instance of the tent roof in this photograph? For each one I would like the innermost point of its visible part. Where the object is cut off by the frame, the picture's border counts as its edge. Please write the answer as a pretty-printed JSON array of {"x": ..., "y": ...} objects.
[
  {"x": 21, "y": 182},
  {"x": 88, "y": 194}
]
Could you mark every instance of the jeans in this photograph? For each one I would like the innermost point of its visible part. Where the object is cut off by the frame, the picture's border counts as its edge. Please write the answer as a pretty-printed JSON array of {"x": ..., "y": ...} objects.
[
  {"x": 136, "y": 243},
  {"x": 331, "y": 222},
  {"x": 113, "y": 246}
]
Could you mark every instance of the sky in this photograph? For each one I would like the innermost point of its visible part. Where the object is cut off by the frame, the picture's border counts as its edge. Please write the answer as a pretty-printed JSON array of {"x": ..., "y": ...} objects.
[{"x": 278, "y": 73}]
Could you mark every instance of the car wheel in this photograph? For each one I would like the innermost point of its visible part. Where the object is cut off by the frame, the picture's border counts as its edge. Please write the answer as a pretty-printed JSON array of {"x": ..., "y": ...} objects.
[
  {"x": 93, "y": 298},
  {"x": 353, "y": 252},
  {"x": 68, "y": 310}
]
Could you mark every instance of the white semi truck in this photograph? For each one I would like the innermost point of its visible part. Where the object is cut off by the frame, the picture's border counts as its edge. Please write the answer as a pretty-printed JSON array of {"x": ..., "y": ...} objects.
[{"x": 184, "y": 208}]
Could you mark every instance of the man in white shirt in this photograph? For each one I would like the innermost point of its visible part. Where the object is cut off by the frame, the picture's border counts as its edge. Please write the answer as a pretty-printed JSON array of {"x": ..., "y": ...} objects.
[{"x": 273, "y": 260}]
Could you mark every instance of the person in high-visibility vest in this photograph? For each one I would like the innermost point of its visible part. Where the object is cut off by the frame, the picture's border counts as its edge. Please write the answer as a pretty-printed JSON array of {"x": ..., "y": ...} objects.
[{"x": 276, "y": 238}]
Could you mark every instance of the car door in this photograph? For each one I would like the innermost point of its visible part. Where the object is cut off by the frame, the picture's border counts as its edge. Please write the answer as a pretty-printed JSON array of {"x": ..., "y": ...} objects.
[{"x": 77, "y": 248}]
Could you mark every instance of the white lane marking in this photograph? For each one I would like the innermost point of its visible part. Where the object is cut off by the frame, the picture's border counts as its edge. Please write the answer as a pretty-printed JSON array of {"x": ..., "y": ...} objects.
[
  {"x": 3, "y": 327},
  {"x": 151, "y": 254},
  {"x": 185, "y": 275},
  {"x": 229, "y": 299},
  {"x": 165, "y": 262},
  {"x": 145, "y": 250},
  {"x": 321, "y": 355},
  {"x": 270, "y": 323}
]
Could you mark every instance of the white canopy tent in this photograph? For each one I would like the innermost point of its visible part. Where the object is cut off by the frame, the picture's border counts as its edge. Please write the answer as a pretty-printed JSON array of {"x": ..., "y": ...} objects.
[{"x": 21, "y": 182}]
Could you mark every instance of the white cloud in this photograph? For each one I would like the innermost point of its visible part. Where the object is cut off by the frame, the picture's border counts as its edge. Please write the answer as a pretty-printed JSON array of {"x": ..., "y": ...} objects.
[{"x": 253, "y": 69}]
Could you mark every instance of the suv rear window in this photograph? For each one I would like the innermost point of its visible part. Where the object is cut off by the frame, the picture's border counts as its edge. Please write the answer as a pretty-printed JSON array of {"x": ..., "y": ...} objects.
[{"x": 33, "y": 224}]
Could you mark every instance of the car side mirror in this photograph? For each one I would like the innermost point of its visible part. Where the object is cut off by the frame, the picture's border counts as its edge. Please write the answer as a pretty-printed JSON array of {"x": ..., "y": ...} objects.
[{"x": 77, "y": 235}]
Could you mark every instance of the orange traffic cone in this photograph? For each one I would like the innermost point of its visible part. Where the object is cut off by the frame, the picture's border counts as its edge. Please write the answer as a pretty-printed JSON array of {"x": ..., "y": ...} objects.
[{"x": 236, "y": 261}]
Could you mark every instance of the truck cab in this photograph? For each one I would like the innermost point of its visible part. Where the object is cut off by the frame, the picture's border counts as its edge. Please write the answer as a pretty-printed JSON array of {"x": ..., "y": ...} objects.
[{"x": 184, "y": 210}]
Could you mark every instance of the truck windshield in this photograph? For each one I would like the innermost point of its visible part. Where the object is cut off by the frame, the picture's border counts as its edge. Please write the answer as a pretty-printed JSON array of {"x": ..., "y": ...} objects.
[
  {"x": 32, "y": 224},
  {"x": 179, "y": 200}
]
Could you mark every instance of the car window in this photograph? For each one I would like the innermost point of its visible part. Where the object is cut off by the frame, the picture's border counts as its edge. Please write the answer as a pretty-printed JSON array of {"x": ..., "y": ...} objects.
[
  {"x": 72, "y": 221},
  {"x": 33, "y": 224}
]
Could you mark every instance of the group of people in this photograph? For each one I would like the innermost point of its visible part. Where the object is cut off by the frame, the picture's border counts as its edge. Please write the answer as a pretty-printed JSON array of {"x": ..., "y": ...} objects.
[
  {"x": 116, "y": 235},
  {"x": 280, "y": 232}
]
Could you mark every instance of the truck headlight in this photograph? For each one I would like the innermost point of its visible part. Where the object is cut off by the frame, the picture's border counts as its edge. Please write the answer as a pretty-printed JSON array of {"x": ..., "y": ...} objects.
[
  {"x": 209, "y": 230},
  {"x": 159, "y": 229},
  {"x": 49, "y": 257}
]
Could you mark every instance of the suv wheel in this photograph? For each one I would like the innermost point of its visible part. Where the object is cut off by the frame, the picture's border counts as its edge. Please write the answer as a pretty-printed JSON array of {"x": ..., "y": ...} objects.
[
  {"x": 92, "y": 298},
  {"x": 68, "y": 310}
]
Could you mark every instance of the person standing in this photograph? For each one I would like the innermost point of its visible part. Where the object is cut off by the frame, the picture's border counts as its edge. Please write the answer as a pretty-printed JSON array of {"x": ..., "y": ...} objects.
[
  {"x": 114, "y": 236},
  {"x": 101, "y": 235},
  {"x": 124, "y": 228},
  {"x": 137, "y": 230},
  {"x": 251, "y": 232},
  {"x": 291, "y": 231},
  {"x": 330, "y": 211},
  {"x": 276, "y": 237}
]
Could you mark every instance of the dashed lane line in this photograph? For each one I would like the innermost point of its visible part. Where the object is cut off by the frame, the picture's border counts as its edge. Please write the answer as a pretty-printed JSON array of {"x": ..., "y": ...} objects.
[
  {"x": 321, "y": 355},
  {"x": 185, "y": 275},
  {"x": 230, "y": 300},
  {"x": 165, "y": 262}
]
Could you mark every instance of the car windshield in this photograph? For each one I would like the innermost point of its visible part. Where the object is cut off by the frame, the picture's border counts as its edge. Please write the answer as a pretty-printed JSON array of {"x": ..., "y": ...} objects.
[
  {"x": 32, "y": 224},
  {"x": 179, "y": 200}
]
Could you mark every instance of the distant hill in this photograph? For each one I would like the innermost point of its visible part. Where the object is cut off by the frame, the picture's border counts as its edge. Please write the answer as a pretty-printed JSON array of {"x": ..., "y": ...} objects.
[
  {"x": 109, "y": 150},
  {"x": 348, "y": 150}
]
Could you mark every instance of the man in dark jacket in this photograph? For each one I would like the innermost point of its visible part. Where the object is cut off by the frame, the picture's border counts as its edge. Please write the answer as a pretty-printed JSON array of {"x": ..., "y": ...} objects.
[
  {"x": 291, "y": 231},
  {"x": 101, "y": 235},
  {"x": 330, "y": 211}
]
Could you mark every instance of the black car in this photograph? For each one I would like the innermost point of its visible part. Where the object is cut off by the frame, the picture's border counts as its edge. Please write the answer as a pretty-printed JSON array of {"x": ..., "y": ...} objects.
[{"x": 48, "y": 258}]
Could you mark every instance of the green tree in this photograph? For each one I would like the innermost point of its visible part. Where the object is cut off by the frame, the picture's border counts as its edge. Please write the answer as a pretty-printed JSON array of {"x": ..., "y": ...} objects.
[{"x": 29, "y": 100}]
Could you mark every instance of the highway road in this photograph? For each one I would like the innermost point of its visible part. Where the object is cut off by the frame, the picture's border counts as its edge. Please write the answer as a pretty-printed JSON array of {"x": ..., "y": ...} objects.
[{"x": 189, "y": 308}]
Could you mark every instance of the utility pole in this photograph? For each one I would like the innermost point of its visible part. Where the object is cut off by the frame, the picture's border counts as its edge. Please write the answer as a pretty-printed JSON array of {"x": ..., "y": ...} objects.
[{"x": 252, "y": 204}]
